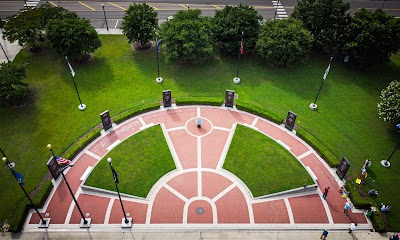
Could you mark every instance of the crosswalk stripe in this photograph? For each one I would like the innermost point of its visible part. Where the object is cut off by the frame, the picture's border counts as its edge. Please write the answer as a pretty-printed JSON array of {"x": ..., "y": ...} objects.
[{"x": 87, "y": 6}]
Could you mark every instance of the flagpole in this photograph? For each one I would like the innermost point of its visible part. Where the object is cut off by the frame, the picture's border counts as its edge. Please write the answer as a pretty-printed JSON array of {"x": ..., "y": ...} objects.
[
  {"x": 127, "y": 222},
  {"x": 81, "y": 106},
  {"x": 313, "y": 106},
  {"x": 44, "y": 223},
  {"x": 158, "y": 79},
  {"x": 86, "y": 223},
  {"x": 236, "y": 79}
]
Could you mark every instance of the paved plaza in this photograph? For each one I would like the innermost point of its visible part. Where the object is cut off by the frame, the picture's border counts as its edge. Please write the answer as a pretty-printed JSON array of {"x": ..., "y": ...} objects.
[{"x": 199, "y": 181}]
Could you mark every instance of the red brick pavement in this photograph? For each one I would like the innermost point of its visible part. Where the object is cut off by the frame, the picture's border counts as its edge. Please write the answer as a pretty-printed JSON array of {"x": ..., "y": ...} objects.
[
  {"x": 206, "y": 217},
  {"x": 271, "y": 212},
  {"x": 136, "y": 210}
]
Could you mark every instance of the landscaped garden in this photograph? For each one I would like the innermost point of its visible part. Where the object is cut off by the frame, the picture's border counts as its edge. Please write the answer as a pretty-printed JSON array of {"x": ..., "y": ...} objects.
[
  {"x": 119, "y": 78},
  {"x": 262, "y": 164},
  {"x": 140, "y": 162}
]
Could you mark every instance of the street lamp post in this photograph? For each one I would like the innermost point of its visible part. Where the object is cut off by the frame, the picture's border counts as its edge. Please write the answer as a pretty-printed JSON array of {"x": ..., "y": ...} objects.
[
  {"x": 126, "y": 223},
  {"x": 276, "y": 8},
  {"x": 44, "y": 222},
  {"x": 4, "y": 51},
  {"x": 85, "y": 223},
  {"x": 105, "y": 18},
  {"x": 383, "y": 4}
]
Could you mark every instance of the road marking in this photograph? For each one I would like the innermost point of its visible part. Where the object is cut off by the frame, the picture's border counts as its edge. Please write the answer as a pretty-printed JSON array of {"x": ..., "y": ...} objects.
[
  {"x": 216, "y": 7},
  {"x": 108, "y": 211},
  {"x": 289, "y": 210},
  {"x": 116, "y": 24},
  {"x": 117, "y": 5},
  {"x": 155, "y": 8},
  {"x": 184, "y": 6},
  {"x": 87, "y": 6},
  {"x": 55, "y": 5},
  {"x": 176, "y": 193},
  {"x": 221, "y": 194}
]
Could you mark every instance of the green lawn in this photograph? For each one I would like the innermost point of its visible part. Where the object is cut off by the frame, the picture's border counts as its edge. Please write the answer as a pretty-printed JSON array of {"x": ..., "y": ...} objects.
[
  {"x": 119, "y": 78},
  {"x": 262, "y": 164},
  {"x": 139, "y": 161}
]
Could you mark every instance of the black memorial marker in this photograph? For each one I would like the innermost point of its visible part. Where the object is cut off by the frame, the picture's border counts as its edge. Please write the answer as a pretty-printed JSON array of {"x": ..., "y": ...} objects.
[
  {"x": 290, "y": 120},
  {"x": 167, "y": 99},
  {"x": 53, "y": 167},
  {"x": 106, "y": 120},
  {"x": 229, "y": 97},
  {"x": 342, "y": 168}
]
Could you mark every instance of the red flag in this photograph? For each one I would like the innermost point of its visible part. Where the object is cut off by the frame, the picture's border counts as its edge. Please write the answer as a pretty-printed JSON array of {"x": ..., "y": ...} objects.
[{"x": 242, "y": 46}]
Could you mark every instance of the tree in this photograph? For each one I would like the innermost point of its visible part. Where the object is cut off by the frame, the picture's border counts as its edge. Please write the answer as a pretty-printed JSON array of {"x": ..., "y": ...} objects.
[
  {"x": 326, "y": 20},
  {"x": 12, "y": 88},
  {"x": 27, "y": 25},
  {"x": 230, "y": 22},
  {"x": 72, "y": 37},
  {"x": 371, "y": 38},
  {"x": 389, "y": 107},
  {"x": 187, "y": 37},
  {"x": 284, "y": 42},
  {"x": 139, "y": 23}
]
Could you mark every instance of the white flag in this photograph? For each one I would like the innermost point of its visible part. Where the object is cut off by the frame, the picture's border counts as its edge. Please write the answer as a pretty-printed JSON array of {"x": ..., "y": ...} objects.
[
  {"x": 327, "y": 71},
  {"x": 70, "y": 68}
]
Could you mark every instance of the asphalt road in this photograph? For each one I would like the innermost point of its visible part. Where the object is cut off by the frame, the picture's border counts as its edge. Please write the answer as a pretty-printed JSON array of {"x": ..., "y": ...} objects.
[{"x": 114, "y": 10}]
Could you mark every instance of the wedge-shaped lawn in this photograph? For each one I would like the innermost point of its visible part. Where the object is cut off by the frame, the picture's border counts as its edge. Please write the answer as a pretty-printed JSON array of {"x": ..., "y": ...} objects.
[
  {"x": 262, "y": 164},
  {"x": 139, "y": 161}
]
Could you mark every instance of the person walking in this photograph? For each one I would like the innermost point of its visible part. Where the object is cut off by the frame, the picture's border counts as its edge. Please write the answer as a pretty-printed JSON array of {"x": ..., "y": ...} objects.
[
  {"x": 325, "y": 193},
  {"x": 353, "y": 227},
  {"x": 346, "y": 209},
  {"x": 324, "y": 234}
]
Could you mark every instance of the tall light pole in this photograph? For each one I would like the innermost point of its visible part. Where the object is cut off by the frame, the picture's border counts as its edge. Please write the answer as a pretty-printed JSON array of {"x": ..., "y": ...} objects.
[
  {"x": 85, "y": 223},
  {"x": 386, "y": 163},
  {"x": 81, "y": 105},
  {"x": 276, "y": 8},
  {"x": 383, "y": 4},
  {"x": 105, "y": 18},
  {"x": 313, "y": 106},
  {"x": 4, "y": 51},
  {"x": 158, "y": 49},
  {"x": 44, "y": 222},
  {"x": 236, "y": 79},
  {"x": 126, "y": 223}
]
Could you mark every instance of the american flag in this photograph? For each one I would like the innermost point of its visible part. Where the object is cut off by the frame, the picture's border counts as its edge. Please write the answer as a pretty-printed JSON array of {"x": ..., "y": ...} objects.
[
  {"x": 62, "y": 161},
  {"x": 242, "y": 45}
]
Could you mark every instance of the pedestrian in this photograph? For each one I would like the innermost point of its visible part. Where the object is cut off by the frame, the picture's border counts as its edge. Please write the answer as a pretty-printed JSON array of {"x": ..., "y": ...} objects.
[
  {"x": 353, "y": 227},
  {"x": 325, "y": 193},
  {"x": 324, "y": 234},
  {"x": 347, "y": 207}
]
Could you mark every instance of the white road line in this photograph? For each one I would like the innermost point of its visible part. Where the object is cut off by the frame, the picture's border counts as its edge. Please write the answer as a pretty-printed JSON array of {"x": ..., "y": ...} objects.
[
  {"x": 175, "y": 129},
  {"x": 283, "y": 145},
  {"x": 171, "y": 147},
  {"x": 289, "y": 210},
  {"x": 226, "y": 148},
  {"x": 326, "y": 206},
  {"x": 199, "y": 179},
  {"x": 254, "y": 122},
  {"x": 71, "y": 207},
  {"x": 221, "y": 128},
  {"x": 221, "y": 194},
  {"x": 198, "y": 112},
  {"x": 305, "y": 154},
  {"x": 108, "y": 212},
  {"x": 113, "y": 145},
  {"x": 147, "y": 126},
  {"x": 142, "y": 121},
  {"x": 93, "y": 154},
  {"x": 116, "y": 24},
  {"x": 176, "y": 193}
]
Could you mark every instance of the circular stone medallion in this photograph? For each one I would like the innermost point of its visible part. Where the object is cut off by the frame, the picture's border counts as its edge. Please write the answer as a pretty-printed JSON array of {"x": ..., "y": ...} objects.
[{"x": 199, "y": 210}]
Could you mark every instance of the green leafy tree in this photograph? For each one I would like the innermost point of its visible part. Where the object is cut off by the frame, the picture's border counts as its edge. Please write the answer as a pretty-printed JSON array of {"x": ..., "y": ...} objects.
[
  {"x": 326, "y": 20},
  {"x": 187, "y": 38},
  {"x": 230, "y": 22},
  {"x": 139, "y": 23},
  {"x": 389, "y": 107},
  {"x": 12, "y": 88},
  {"x": 72, "y": 37},
  {"x": 27, "y": 26},
  {"x": 371, "y": 38},
  {"x": 284, "y": 42}
]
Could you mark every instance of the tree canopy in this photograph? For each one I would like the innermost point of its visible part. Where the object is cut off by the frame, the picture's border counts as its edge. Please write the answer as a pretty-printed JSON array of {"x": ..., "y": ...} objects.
[
  {"x": 27, "y": 25},
  {"x": 326, "y": 20},
  {"x": 12, "y": 87},
  {"x": 284, "y": 42},
  {"x": 140, "y": 23},
  {"x": 72, "y": 37},
  {"x": 371, "y": 38},
  {"x": 187, "y": 37},
  {"x": 389, "y": 107},
  {"x": 230, "y": 22}
]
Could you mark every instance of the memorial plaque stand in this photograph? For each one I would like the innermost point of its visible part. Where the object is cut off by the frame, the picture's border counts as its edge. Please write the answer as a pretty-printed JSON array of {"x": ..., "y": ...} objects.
[
  {"x": 342, "y": 168},
  {"x": 106, "y": 120},
  {"x": 290, "y": 120},
  {"x": 167, "y": 98},
  {"x": 229, "y": 98}
]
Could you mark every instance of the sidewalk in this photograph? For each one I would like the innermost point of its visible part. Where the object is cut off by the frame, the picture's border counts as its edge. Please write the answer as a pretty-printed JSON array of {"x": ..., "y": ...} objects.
[
  {"x": 248, "y": 235},
  {"x": 11, "y": 49}
]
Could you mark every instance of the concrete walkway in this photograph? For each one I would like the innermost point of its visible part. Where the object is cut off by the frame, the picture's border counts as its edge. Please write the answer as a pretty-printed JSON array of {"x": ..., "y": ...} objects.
[{"x": 199, "y": 181}]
